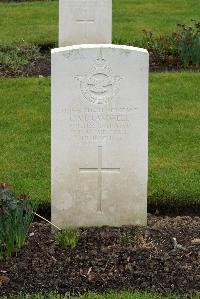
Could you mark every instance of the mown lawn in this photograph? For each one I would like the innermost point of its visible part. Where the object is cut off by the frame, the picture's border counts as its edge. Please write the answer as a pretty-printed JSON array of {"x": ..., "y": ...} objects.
[
  {"x": 174, "y": 164},
  {"x": 121, "y": 295},
  {"x": 25, "y": 135},
  {"x": 37, "y": 22},
  {"x": 174, "y": 109}
]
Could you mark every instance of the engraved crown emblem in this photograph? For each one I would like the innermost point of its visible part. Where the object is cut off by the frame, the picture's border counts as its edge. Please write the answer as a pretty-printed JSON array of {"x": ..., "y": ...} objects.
[{"x": 99, "y": 85}]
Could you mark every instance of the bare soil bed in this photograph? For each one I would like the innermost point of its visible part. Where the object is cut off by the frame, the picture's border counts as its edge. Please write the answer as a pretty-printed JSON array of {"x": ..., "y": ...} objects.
[{"x": 109, "y": 259}]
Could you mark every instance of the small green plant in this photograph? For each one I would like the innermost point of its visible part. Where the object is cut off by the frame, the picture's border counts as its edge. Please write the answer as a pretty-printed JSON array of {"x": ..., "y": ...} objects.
[
  {"x": 14, "y": 58},
  {"x": 126, "y": 238},
  {"x": 16, "y": 215},
  {"x": 141, "y": 239},
  {"x": 67, "y": 238}
]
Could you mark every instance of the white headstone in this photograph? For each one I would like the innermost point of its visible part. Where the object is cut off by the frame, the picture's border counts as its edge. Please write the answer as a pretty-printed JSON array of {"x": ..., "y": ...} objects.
[
  {"x": 99, "y": 135},
  {"x": 85, "y": 22}
]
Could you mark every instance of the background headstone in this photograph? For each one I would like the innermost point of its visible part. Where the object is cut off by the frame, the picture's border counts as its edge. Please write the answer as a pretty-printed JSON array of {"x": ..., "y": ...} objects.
[
  {"x": 85, "y": 22},
  {"x": 99, "y": 135}
]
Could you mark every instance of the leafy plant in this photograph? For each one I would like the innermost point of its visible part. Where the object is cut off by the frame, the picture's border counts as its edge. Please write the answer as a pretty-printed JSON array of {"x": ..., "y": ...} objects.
[
  {"x": 181, "y": 47},
  {"x": 16, "y": 215},
  {"x": 188, "y": 40},
  {"x": 163, "y": 48},
  {"x": 67, "y": 238}
]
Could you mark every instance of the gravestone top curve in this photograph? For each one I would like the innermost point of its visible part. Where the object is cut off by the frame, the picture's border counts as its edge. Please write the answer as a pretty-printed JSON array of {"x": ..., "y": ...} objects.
[{"x": 100, "y": 46}]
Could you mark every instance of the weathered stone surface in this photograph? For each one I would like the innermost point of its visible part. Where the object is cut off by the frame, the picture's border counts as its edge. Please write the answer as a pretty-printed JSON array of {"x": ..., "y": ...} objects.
[
  {"x": 99, "y": 135},
  {"x": 85, "y": 22}
]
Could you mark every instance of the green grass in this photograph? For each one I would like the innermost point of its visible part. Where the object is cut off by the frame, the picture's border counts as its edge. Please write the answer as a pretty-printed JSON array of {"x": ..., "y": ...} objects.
[
  {"x": 121, "y": 295},
  {"x": 34, "y": 22},
  {"x": 67, "y": 238},
  {"x": 25, "y": 135},
  {"x": 37, "y": 22},
  {"x": 174, "y": 108},
  {"x": 173, "y": 138}
]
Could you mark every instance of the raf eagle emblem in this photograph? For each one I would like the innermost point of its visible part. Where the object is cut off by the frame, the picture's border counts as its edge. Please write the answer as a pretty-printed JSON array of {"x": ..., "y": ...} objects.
[{"x": 99, "y": 85}]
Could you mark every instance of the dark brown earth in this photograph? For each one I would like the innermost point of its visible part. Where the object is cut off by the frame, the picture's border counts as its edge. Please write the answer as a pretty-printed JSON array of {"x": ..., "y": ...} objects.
[
  {"x": 42, "y": 66},
  {"x": 109, "y": 259}
]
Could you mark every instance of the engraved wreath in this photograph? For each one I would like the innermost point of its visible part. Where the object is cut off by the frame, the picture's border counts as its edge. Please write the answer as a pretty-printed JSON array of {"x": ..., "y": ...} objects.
[{"x": 99, "y": 85}]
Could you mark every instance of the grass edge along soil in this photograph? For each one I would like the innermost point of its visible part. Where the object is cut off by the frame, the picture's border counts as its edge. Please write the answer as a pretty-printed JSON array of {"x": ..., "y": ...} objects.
[{"x": 111, "y": 295}]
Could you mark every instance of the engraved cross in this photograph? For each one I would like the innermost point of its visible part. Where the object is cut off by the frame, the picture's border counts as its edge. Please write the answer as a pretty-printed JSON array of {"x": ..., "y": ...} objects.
[
  {"x": 85, "y": 21},
  {"x": 99, "y": 170}
]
